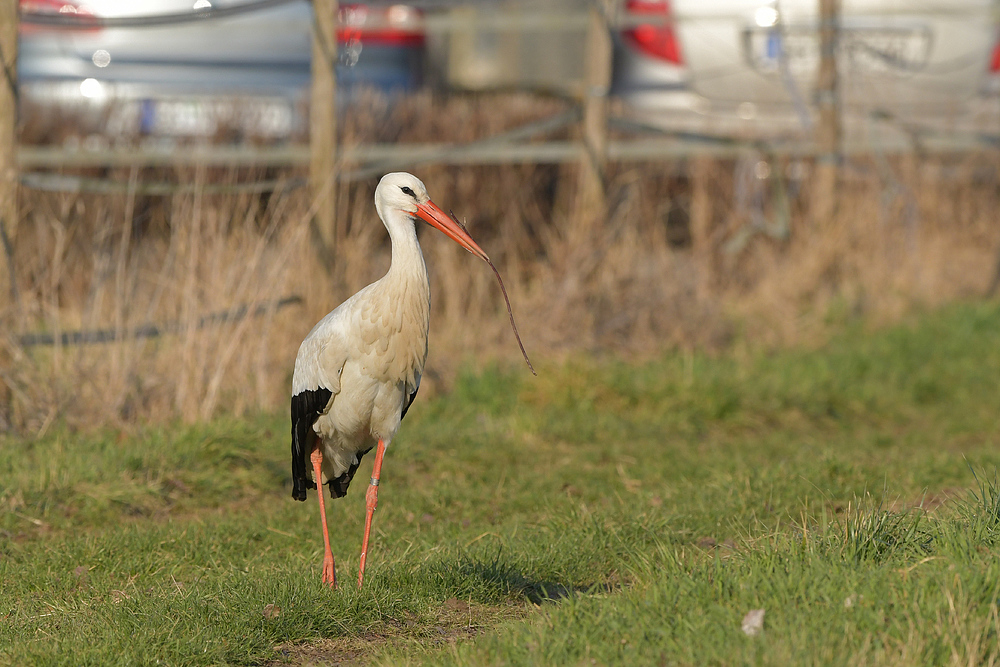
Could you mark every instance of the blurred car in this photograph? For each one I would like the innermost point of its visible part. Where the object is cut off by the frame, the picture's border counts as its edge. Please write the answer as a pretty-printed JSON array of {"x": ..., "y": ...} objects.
[
  {"x": 647, "y": 61},
  {"x": 179, "y": 74},
  {"x": 750, "y": 66}
]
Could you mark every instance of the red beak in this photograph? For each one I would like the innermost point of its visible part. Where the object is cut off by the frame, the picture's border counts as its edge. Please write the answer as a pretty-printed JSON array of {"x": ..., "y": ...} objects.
[{"x": 430, "y": 213}]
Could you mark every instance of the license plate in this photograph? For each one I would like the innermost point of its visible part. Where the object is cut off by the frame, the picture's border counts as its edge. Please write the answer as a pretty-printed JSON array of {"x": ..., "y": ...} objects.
[
  {"x": 265, "y": 118},
  {"x": 872, "y": 50}
]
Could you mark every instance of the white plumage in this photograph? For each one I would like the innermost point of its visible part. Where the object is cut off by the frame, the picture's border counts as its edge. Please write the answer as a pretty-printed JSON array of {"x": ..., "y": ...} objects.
[
  {"x": 369, "y": 353},
  {"x": 359, "y": 369}
]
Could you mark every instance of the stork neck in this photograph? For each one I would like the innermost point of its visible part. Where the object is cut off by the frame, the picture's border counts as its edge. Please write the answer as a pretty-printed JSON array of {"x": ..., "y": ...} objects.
[{"x": 407, "y": 257}]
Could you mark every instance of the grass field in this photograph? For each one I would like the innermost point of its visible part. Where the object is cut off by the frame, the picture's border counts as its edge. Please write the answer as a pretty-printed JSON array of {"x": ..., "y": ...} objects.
[{"x": 602, "y": 513}]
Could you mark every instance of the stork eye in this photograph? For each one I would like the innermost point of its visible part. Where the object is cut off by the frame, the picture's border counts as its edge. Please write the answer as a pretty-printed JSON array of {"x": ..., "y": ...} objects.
[{"x": 407, "y": 191}]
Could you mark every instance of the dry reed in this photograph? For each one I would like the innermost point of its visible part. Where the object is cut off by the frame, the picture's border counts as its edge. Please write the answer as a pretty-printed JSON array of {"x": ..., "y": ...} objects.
[{"x": 689, "y": 255}]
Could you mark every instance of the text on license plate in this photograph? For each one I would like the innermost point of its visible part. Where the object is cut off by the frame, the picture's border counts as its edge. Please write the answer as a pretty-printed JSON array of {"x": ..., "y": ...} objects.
[{"x": 863, "y": 49}]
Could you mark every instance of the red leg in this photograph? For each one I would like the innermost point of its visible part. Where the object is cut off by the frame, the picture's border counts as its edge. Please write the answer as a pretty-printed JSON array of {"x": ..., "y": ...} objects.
[
  {"x": 371, "y": 502},
  {"x": 329, "y": 570}
]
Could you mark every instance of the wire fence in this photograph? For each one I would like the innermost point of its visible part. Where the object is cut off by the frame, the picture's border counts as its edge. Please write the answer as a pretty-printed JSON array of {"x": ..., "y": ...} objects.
[
  {"x": 377, "y": 159},
  {"x": 652, "y": 142},
  {"x": 624, "y": 139}
]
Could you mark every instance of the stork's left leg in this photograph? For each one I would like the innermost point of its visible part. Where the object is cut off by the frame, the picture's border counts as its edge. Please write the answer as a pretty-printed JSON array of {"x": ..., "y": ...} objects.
[
  {"x": 371, "y": 502},
  {"x": 329, "y": 569}
]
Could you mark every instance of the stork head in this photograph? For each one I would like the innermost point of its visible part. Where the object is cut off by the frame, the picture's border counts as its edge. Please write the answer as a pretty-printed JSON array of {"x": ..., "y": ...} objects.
[{"x": 405, "y": 193}]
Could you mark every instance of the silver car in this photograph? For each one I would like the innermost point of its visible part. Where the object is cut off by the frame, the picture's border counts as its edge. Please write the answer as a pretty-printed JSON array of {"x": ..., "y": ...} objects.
[{"x": 750, "y": 66}]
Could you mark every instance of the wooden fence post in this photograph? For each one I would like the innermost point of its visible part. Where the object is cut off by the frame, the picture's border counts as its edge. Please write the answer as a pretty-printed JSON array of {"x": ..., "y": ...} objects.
[
  {"x": 702, "y": 212},
  {"x": 828, "y": 132},
  {"x": 8, "y": 150},
  {"x": 323, "y": 126},
  {"x": 8, "y": 192},
  {"x": 590, "y": 198}
]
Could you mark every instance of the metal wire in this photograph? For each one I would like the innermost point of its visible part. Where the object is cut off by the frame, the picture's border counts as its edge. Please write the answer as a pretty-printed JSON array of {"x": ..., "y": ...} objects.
[
  {"x": 62, "y": 183},
  {"x": 155, "y": 330}
]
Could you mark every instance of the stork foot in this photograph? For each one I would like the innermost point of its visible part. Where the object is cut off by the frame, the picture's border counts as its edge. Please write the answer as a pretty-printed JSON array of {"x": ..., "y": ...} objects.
[{"x": 329, "y": 572}]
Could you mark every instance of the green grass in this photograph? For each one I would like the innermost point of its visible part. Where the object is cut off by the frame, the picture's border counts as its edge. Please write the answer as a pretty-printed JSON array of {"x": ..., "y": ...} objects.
[{"x": 604, "y": 512}]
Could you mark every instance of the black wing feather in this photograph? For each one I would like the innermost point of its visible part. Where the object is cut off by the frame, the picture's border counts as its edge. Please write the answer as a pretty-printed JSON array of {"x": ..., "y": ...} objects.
[{"x": 306, "y": 408}]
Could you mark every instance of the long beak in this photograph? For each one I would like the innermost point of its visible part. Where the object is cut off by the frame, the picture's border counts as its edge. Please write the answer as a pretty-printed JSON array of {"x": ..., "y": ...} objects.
[{"x": 430, "y": 213}]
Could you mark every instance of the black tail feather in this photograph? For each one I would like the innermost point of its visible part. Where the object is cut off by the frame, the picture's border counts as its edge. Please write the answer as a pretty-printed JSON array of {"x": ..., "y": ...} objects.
[
  {"x": 409, "y": 401},
  {"x": 338, "y": 486}
]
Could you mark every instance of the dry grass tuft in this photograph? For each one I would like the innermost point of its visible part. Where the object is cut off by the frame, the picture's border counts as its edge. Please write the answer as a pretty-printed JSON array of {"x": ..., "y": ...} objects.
[{"x": 688, "y": 256}]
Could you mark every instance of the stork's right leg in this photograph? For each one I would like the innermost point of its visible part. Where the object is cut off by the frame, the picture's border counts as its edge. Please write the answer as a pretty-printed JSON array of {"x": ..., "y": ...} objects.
[
  {"x": 329, "y": 570},
  {"x": 371, "y": 502}
]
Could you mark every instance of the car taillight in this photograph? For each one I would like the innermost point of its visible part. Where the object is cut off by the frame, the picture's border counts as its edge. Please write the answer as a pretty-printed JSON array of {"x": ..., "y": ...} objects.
[
  {"x": 654, "y": 39},
  {"x": 398, "y": 25},
  {"x": 82, "y": 13},
  {"x": 995, "y": 60}
]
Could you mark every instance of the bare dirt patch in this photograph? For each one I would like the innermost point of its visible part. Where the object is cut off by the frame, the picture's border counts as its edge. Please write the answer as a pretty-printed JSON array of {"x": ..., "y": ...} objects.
[{"x": 454, "y": 621}]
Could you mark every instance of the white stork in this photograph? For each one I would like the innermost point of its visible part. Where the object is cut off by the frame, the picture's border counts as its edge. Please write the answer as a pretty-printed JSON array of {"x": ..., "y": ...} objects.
[{"x": 358, "y": 370}]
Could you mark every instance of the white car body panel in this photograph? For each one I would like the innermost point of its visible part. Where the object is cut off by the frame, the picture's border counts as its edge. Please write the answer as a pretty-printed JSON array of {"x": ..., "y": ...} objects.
[{"x": 902, "y": 58}]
